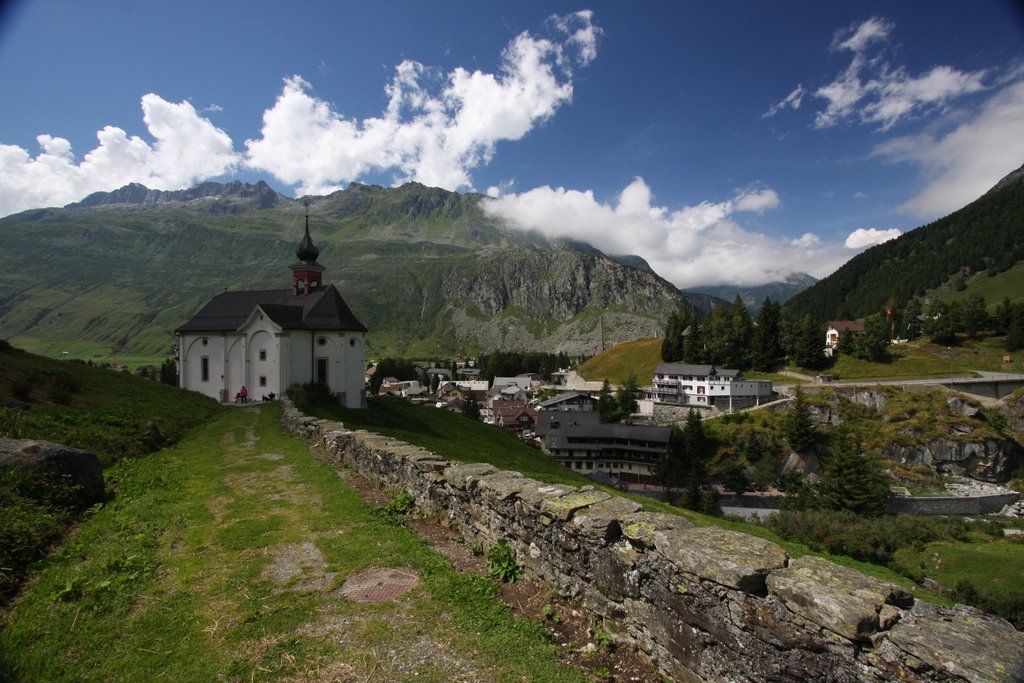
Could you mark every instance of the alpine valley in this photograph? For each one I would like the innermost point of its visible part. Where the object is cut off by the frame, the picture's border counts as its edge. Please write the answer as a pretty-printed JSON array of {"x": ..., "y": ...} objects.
[{"x": 425, "y": 269}]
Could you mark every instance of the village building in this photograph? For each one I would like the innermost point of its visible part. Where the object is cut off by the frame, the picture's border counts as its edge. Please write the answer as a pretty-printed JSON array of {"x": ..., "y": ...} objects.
[
  {"x": 268, "y": 340},
  {"x": 581, "y": 442},
  {"x": 834, "y": 330},
  {"x": 512, "y": 415},
  {"x": 569, "y": 400},
  {"x": 704, "y": 386}
]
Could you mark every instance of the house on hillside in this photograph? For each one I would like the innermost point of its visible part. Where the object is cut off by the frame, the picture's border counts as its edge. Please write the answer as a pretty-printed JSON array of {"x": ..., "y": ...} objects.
[
  {"x": 580, "y": 441},
  {"x": 834, "y": 330},
  {"x": 268, "y": 340},
  {"x": 513, "y": 415},
  {"x": 704, "y": 386}
]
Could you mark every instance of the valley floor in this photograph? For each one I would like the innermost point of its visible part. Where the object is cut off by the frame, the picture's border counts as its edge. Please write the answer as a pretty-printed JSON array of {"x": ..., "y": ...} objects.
[{"x": 235, "y": 556}]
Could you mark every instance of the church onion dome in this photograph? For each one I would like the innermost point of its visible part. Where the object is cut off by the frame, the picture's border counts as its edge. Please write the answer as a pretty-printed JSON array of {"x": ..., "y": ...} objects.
[{"x": 307, "y": 251}]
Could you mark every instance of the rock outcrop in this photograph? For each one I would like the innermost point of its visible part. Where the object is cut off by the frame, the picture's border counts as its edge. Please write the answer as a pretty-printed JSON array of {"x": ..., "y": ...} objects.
[
  {"x": 702, "y": 603},
  {"x": 989, "y": 460},
  {"x": 81, "y": 468}
]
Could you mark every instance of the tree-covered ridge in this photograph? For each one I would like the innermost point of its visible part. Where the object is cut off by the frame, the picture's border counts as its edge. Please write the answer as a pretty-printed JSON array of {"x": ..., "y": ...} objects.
[{"x": 984, "y": 235}]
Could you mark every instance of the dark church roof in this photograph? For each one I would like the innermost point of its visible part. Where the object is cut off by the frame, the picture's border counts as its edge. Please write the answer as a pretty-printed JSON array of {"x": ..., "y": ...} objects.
[{"x": 321, "y": 309}]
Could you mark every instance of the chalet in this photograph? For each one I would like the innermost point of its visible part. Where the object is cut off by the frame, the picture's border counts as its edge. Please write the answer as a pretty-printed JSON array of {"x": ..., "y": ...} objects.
[
  {"x": 834, "y": 330},
  {"x": 524, "y": 382},
  {"x": 268, "y": 340},
  {"x": 508, "y": 392},
  {"x": 513, "y": 415},
  {"x": 580, "y": 441},
  {"x": 448, "y": 391},
  {"x": 705, "y": 386}
]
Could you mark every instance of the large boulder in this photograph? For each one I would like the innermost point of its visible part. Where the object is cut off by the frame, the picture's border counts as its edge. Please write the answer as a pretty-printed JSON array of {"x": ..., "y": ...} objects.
[
  {"x": 838, "y": 598},
  {"x": 82, "y": 468}
]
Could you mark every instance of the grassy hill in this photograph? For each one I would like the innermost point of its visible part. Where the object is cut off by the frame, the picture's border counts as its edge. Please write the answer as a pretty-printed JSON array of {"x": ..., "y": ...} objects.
[
  {"x": 97, "y": 409},
  {"x": 618, "y": 362},
  {"x": 112, "y": 414},
  {"x": 993, "y": 287}
]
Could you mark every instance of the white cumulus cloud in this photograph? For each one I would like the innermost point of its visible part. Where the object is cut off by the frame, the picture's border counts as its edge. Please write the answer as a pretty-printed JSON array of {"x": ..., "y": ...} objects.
[
  {"x": 437, "y": 127},
  {"x": 872, "y": 91},
  {"x": 186, "y": 148},
  {"x": 691, "y": 246},
  {"x": 861, "y": 238},
  {"x": 966, "y": 160}
]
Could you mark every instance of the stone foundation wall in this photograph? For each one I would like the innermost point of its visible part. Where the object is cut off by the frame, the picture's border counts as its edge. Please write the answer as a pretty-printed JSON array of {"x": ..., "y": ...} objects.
[
  {"x": 950, "y": 505},
  {"x": 702, "y": 603}
]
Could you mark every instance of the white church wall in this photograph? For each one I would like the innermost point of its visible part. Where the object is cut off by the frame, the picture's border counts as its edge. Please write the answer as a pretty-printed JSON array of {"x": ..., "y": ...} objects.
[
  {"x": 194, "y": 348},
  {"x": 264, "y": 368}
]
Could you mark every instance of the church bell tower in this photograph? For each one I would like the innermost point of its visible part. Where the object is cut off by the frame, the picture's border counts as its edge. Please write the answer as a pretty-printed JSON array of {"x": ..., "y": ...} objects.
[{"x": 307, "y": 274}]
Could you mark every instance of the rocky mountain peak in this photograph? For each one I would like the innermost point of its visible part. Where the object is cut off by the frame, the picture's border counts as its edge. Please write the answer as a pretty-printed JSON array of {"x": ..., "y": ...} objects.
[{"x": 1009, "y": 179}]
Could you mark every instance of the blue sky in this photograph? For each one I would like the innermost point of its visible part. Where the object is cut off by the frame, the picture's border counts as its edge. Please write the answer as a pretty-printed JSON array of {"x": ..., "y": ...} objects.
[{"x": 726, "y": 142}]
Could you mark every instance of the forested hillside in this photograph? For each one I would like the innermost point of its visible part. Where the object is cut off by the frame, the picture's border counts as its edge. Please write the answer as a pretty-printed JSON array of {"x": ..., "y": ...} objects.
[{"x": 984, "y": 235}]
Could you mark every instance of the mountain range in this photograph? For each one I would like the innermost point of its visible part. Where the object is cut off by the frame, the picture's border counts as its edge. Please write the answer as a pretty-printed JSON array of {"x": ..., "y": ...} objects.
[
  {"x": 753, "y": 297},
  {"x": 425, "y": 269}
]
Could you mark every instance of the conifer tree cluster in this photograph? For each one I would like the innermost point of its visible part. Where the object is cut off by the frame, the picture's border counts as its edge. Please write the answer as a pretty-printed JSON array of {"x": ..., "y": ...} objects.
[
  {"x": 685, "y": 466},
  {"x": 729, "y": 338},
  {"x": 620, "y": 405}
]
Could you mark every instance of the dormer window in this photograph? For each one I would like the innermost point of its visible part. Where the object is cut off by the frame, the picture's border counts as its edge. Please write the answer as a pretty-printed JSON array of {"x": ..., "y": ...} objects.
[{"x": 300, "y": 286}]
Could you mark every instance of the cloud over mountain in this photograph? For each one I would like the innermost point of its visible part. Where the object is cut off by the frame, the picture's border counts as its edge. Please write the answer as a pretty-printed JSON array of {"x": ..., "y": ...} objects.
[{"x": 690, "y": 246}]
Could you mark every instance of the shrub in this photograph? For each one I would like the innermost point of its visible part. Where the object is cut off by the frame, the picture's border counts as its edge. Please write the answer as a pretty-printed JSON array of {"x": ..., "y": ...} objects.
[
  {"x": 873, "y": 540},
  {"x": 22, "y": 386},
  {"x": 398, "y": 509},
  {"x": 501, "y": 563},
  {"x": 27, "y": 530}
]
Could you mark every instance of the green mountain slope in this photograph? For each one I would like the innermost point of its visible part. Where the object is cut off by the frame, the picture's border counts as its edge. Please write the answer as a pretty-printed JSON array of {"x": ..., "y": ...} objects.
[
  {"x": 985, "y": 234},
  {"x": 425, "y": 269}
]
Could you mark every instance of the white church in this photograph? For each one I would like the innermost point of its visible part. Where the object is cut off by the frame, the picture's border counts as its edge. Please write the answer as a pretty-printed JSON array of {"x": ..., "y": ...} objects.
[{"x": 268, "y": 340}]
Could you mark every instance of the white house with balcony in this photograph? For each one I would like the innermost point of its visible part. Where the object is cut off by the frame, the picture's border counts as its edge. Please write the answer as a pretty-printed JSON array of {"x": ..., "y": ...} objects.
[{"x": 704, "y": 386}]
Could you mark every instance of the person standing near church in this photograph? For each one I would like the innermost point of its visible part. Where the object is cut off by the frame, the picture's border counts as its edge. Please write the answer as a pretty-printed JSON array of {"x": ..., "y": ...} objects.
[{"x": 244, "y": 394}]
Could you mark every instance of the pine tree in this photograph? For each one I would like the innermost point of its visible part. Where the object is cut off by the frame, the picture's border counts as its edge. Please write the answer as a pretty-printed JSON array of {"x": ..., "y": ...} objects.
[
  {"x": 974, "y": 316},
  {"x": 673, "y": 346},
  {"x": 1015, "y": 333},
  {"x": 873, "y": 344},
  {"x": 810, "y": 343},
  {"x": 471, "y": 408},
  {"x": 911, "y": 325},
  {"x": 851, "y": 480},
  {"x": 766, "y": 344},
  {"x": 798, "y": 426},
  {"x": 940, "y": 324},
  {"x": 607, "y": 406},
  {"x": 625, "y": 397},
  {"x": 741, "y": 333}
]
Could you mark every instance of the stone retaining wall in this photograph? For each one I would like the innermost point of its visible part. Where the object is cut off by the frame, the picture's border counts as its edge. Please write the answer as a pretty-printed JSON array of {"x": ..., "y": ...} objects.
[
  {"x": 950, "y": 505},
  {"x": 702, "y": 603}
]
